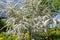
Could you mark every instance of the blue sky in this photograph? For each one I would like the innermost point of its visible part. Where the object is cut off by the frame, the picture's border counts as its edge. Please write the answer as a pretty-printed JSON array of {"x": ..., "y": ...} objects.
[
  {"x": 16, "y": 0},
  {"x": 10, "y": 0},
  {"x": 58, "y": 17}
]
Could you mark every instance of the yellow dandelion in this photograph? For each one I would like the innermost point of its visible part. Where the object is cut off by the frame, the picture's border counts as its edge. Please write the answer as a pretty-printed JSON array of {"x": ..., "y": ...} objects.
[
  {"x": 1, "y": 38},
  {"x": 16, "y": 39},
  {"x": 27, "y": 35}
]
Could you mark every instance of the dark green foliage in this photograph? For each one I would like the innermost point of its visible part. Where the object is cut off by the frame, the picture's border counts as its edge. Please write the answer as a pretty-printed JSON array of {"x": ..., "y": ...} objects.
[
  {"x": 2, "y": 24},
  {"x": 54, "y": 5}
]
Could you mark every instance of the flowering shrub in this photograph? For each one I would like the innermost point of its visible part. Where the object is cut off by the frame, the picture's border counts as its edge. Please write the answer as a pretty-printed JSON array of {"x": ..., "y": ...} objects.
[{"x": 29, "y": 22}]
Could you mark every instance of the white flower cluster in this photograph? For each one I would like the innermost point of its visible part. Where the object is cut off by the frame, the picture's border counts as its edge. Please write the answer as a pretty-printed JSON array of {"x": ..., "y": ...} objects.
[{"x": 27, "y": 25}]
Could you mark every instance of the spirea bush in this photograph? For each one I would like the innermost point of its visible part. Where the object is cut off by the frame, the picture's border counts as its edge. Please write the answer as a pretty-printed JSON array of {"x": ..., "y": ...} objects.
[{"x": 30, "y": 21}]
